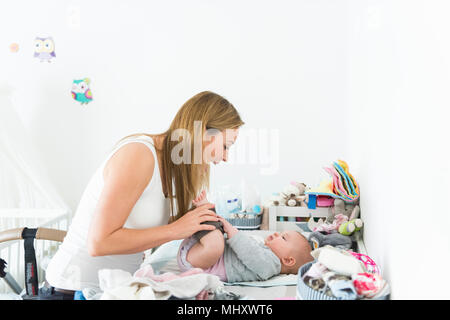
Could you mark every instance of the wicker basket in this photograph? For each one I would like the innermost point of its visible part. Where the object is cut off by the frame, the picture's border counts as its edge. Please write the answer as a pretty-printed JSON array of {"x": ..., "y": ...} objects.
[
  {"x": 246, "y": 223},
  {"x": 304, "y": 292}
]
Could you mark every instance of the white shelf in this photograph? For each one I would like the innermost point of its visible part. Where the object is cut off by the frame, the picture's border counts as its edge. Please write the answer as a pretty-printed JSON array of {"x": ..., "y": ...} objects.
[
  {"x": 302, "y": 212},
  {"x": 286, "y": 211},
  {"x": 287, "y": 225}
]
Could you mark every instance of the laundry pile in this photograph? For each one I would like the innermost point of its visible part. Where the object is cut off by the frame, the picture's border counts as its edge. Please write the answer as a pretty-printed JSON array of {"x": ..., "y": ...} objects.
[
  {"x": 340, "y": 274},
  {"x": 144, "y": 284}
]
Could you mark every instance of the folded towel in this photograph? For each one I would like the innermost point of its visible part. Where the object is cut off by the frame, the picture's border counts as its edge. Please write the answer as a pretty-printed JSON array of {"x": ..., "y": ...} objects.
[
  {"x": 338, "y": 187},
  {"x": 342, "y": 184},
  {"x": 325, "y": 188},
  {"x": 344, "y": 165},
  {"x": 347, "y": 182},
  {"x": 339, "y": 261}
]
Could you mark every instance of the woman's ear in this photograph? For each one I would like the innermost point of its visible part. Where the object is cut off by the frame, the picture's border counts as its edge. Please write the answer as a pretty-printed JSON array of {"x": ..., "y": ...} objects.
[{"x": 288, "y": 261}]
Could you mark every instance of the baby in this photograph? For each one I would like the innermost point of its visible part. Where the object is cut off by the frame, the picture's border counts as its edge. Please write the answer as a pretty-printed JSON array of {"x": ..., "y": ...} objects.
[{"x": 242, "y": 257}]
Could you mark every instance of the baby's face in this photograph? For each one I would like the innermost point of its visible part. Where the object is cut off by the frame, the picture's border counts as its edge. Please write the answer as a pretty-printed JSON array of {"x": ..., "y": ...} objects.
[{"x": 283, "y": 243}]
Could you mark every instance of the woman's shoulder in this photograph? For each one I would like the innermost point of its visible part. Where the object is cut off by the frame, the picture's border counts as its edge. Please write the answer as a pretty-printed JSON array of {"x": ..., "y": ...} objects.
[{"x": 132, "y": 161}]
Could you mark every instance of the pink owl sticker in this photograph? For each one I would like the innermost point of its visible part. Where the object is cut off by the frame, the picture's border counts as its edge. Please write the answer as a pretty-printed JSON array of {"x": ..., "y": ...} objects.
[{"x": 14, "y": 47}]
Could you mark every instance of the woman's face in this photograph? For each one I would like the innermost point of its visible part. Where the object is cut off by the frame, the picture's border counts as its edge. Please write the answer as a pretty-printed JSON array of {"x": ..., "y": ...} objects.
[{"x": 217, "y": 145}]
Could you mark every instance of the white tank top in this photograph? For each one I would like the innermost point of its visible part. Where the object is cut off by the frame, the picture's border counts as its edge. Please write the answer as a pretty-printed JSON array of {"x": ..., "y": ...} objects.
[{"x": 72, "y": 268}]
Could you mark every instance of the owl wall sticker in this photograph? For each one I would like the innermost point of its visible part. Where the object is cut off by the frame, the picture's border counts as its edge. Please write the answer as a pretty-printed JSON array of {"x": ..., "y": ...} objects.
[
  {"x": 14, "y": 47},
  {"x": 44, "y": 49},
  {"x": 81, "y": 91}
]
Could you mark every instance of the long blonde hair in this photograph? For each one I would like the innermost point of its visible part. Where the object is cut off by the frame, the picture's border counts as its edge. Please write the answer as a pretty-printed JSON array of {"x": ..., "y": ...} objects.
[{"x": 214, "y": 112}]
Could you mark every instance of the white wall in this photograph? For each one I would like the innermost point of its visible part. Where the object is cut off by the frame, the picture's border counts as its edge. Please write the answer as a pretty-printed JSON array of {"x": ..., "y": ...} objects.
[
  {"x": 279, "y": 63},
  {"x": 397, "y": 97},
  {"x": 359, "y": 80}
]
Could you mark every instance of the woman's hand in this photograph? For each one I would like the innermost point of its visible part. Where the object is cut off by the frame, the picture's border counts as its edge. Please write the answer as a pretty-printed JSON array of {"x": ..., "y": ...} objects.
[
  {"x": 191, "y": 221},
  {"x": 229, "y": 229}
]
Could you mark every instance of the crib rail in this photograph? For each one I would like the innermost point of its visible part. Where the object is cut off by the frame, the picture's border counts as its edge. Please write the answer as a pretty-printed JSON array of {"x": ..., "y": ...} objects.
[
  {"x": 42, "y": 233},
  {"x": 12, "y": 249}
]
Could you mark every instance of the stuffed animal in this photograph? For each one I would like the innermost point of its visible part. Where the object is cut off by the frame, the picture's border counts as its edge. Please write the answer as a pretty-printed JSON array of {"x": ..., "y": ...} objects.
[
  {"x": 343, "y": 218},
  {"x": 294, "y": 194},
  {"x": 327, "y": 227},
  {"x": 340, "y": 207},
  {"x": 313, "y": 225},
  {"x": 276, "y": 200},
  {"x": 300, "y": 185},
  {"x": 349, "y": 210},
  {"x": 317, "y": 240},
  {"x": 351, "y": 226}
]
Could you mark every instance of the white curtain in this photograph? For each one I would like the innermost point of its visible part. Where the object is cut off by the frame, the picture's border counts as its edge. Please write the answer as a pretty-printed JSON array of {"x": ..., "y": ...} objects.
[{"x": 23, "y": 182}]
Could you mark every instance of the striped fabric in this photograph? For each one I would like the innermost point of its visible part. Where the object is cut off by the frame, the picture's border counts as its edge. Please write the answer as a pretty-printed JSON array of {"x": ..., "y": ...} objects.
[
  {"x": 304, "y": 292},
  {"x": 252, "y": 222}
]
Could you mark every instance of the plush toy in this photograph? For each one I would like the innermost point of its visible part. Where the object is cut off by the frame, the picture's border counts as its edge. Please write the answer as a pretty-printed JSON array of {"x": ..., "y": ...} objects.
[
  {"x": 300, "y": 185},
  {"x": 343, "y": 218},
  {"x": 340, "y": 224},
  {"x": 294, "y": 194},
  {"x": 276, "y": 200},
  {"x": 313, "y": 226},
  {"x": 351, "y": 226},
  {"x": 349, "y": 210},
  {"x": 340, "y": 207},
  {"x": 317, "y": 240},
  {"x": 327, "y": 227}
]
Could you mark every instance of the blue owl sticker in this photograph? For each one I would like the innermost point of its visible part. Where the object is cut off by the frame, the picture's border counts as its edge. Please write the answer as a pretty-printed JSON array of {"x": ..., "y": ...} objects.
[
  {"x": 81, "y": 91},
  {"x": 44, "y": 49}
]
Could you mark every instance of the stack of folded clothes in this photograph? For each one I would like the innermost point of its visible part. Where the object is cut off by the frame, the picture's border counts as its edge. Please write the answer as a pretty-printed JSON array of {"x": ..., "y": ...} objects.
[
  {"x": 341, "y": 185},
  {"x": 342, "y": 275}
]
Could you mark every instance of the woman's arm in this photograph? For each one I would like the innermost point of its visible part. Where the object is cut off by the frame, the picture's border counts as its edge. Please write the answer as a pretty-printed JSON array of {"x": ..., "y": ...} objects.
[{"x": 126, "y": 175}]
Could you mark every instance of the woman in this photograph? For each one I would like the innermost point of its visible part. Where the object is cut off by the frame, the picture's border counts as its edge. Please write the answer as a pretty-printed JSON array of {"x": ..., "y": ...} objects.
[{"x": 125, "y": 210}]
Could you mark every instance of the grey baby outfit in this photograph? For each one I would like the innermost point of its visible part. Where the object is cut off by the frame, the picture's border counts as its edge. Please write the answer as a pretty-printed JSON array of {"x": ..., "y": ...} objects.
[{"x": 247, "y": 259}]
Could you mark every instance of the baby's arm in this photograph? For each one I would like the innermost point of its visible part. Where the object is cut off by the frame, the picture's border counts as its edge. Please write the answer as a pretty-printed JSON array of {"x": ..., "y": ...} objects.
[
  {"x": 207, "y": 251},
  {"x": 229, "y": 229}
]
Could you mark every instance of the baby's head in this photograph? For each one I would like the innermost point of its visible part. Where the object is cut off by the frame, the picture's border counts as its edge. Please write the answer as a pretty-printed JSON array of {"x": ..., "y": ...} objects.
[{"x": 292, "y": 248}]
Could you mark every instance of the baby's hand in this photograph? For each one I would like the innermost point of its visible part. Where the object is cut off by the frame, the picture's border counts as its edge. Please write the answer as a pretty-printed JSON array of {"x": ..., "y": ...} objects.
[
  {"x": 229, "y": 229},
  {"x": 200, "y": 200}
]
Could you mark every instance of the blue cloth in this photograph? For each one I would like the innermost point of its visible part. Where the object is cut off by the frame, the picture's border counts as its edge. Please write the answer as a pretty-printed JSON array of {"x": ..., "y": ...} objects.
[
  {"x": 343, "y": 289},
  {"x": 78, "y": 296},
  {"x": 312, "y": 201}
]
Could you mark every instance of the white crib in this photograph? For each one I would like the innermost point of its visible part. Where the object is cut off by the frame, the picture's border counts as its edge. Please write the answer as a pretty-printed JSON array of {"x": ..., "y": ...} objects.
[{"x": 13, "y": 251}]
